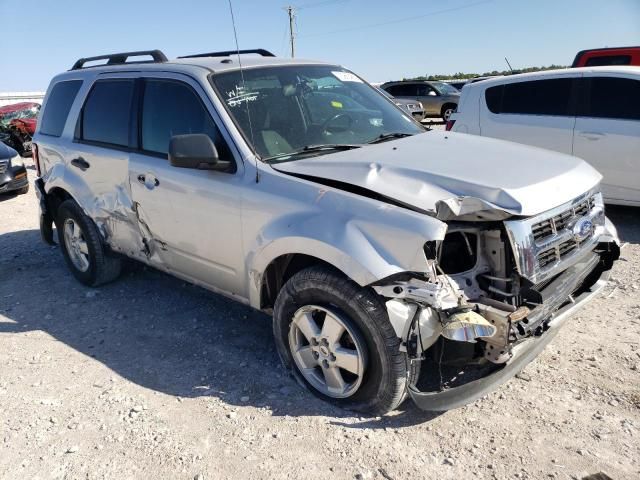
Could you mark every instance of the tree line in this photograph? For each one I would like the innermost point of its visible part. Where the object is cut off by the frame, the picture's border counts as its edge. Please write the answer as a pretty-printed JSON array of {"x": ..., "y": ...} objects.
[{"x": 464, "y": 76}]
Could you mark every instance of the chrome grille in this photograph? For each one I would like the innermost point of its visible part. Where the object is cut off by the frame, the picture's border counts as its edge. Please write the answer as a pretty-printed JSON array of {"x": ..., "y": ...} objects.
[
  {"x": 561, "y": 221},
  {"x": 557, "y": 253},
  {"x": 3, "y": 166},
  {"x": 546, "y": 244}
]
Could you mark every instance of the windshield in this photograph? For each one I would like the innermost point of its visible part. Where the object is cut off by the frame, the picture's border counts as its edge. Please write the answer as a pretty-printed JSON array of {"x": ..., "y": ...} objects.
[
  {"x": 292, "y": 110},
  {"x": 445, "y": 88}
]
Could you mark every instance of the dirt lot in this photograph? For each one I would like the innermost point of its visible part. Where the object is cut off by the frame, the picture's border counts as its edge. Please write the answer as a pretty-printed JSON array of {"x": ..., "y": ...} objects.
[{"x": 150, "y": 377}]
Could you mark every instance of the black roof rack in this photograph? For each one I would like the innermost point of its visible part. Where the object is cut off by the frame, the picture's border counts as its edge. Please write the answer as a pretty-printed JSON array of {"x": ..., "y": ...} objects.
[
  {"x": 228, "y": 53},
  {"x": 121, "y": 58}
]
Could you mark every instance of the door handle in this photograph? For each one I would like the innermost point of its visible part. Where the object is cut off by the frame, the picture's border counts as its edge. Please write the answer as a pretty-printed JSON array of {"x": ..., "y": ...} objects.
[
  {"x": 591, "y": 135},
  {"x": 150, "y": 183},
  {"x": 80, "y": 163}
]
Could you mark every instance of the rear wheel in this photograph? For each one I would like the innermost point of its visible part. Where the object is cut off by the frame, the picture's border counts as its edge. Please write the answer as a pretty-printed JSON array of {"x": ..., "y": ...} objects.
[
  {"x": 82, "y": 247},
  {"x": 336, "y": 339}
]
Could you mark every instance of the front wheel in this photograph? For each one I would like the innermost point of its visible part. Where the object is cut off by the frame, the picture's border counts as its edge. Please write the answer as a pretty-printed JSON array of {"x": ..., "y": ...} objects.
[{"x": 336, "y": 339}]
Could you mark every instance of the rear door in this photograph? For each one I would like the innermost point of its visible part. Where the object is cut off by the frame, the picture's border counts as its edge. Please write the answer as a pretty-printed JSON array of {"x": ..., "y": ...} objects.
[
  {"x": 191, "y": 218},
  {"x": 99, "y": 157},
  {"x": 536, "y": 112},
  {"x": 607, "y": 133}
]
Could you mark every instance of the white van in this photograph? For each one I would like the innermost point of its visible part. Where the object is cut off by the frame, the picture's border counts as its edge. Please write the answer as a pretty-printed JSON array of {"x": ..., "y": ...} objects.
[{"x": 592, "y": 113}]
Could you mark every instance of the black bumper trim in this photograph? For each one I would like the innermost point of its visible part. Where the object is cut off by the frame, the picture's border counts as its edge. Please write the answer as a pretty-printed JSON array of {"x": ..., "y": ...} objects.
[{"x": 523, "y": 354}]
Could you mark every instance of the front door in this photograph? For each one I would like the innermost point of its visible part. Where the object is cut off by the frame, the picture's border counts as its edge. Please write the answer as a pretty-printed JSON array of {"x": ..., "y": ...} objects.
[
  {"x": 607, "y": 135},
  {"x": 191, "y": 218},
  {"x": 430, "y": 99}
]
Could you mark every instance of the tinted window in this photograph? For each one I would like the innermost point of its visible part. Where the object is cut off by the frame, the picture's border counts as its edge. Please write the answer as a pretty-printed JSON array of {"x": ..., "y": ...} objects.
[
  {"x": 608, "y": 60},
  {"x": 173, "y": 108},
  {"x": 105, "y": 115},
  {"x": 424, "y": 90},
  {"x": 614, "y": 98},
  {"x": 538, "y": 97},
  {"x": 58, "y": 105},
  {"x": 405, "y": 90}
]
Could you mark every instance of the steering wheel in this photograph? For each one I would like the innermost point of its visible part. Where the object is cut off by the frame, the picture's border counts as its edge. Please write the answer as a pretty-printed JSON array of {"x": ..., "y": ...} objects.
[{"x": 326, "y": 126}]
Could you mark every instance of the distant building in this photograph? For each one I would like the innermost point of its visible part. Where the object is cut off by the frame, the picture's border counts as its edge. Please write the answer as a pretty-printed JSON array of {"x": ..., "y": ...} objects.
[{"x": 8, "y": 98}]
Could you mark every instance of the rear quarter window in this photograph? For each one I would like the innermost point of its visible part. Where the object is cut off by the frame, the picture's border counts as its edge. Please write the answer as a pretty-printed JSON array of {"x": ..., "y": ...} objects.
[
  {"x": 611, "y": 97},
  {"x": 57, "y": 107}
]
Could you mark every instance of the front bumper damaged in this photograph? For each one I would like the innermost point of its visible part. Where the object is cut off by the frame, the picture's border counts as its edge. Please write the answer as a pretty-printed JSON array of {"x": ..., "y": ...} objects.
[{"x": 562, "y": 297}]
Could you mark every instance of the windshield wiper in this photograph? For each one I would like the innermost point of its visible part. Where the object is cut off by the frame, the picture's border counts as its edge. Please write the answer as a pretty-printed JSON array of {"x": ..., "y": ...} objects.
[
  {"x": 316, "y": 148},
  {"x": 389, "y": 136}
]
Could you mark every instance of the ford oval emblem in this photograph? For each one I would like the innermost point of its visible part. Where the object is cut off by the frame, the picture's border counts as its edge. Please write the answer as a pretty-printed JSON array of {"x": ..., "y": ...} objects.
[{"x": 582, "y": 229}]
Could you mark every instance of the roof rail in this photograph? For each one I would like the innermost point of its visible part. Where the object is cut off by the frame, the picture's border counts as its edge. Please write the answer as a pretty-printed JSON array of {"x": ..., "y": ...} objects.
[
  {"x": 228, "y": 53},
  {"x": 121, "y": 58}
]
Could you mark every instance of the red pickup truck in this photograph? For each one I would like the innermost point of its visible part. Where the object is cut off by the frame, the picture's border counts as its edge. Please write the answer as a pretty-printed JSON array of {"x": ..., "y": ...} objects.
[{"x": 597, "y": 57}]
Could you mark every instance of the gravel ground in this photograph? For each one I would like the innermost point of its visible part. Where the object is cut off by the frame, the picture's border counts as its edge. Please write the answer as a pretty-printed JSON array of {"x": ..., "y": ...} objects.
[{"x": 149, "y": 377}]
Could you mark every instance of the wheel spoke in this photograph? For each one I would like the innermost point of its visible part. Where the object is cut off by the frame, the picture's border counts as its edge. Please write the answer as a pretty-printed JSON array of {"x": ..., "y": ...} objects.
[
  {"x": 308, "y": 326},
  {"x": 82, "y": 245},
  {"x": 334, "y": 379},
  {"x": 305, "y": 355},
  {"x": 76, "y": 230},
  {"x": 332, "y": 329},
  {"x": 347, "y": 359}
]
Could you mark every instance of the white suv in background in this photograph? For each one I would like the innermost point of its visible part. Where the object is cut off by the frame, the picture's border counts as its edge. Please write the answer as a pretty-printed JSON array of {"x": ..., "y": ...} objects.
[{"x": 592, "y": 113}]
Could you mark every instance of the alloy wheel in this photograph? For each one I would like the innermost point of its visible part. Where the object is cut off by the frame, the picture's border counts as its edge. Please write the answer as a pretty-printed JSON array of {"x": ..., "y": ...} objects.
[{"x": 328, "y": 351}]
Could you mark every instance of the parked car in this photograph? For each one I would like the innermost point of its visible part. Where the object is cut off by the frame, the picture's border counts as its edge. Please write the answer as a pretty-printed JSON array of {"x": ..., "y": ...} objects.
[
  {"x": 13, "y": 174},
  {"x": 598, "y": 57},
  {"x": 593, "y": 113},
  {"x": 437, "y": 98},
  {"x": 412, "y": 107},
  {"x": 297, "y": 188}
]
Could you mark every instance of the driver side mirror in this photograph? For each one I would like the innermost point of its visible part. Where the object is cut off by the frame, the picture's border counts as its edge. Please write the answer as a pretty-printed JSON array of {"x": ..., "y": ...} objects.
[
  {"x": 432, "y": 93},
  {"x": 196, "y": 151}
]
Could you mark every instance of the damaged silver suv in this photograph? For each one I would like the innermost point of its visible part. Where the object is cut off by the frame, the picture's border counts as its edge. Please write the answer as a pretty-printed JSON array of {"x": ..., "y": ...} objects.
[{"x": 394, "y": 261}]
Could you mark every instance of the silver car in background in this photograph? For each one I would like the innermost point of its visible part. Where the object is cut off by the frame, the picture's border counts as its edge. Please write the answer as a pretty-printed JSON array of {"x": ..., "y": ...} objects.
[{"x": 437, "y": 98}]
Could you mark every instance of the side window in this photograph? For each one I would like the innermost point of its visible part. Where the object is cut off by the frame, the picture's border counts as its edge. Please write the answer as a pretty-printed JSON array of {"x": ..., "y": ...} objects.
[
  {"x": 537, "y": 97},
  {"x": 600, "y": 61},
  {"x": 58, "y": 105},
  {"x": 106, "y": 112},
  {"x": 614, "y": 98},
  {"x": 172, "y": 108},
  {"x": 394, "y": 90},
  {"x": 425, "y": 90}
]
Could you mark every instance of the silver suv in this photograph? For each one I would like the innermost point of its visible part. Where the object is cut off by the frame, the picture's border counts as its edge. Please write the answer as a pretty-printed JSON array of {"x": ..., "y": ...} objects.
[
  {"x": 381, "y": 250},
  {"x": 438, "y": 99}
]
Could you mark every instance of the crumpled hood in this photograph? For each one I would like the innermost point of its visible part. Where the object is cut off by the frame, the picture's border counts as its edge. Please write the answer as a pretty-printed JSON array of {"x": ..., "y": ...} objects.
[{"x": 456, "y": 174}]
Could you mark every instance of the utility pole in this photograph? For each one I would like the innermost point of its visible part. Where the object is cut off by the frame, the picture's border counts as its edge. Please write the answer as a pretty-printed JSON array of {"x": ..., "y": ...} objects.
[{"x": 292, "y": 15}]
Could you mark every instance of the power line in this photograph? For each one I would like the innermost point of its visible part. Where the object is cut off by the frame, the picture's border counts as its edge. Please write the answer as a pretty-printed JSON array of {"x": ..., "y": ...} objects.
[{"x": 399, "y": 20}]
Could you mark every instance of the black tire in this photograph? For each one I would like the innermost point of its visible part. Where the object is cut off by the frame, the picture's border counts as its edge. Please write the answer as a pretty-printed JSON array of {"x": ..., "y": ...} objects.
[
  {"x": 103, "y": 267},
  {"x": 385, "y": 379},
  {"x": 24, "y": 190},
  {"x": 445, "y": 108}
]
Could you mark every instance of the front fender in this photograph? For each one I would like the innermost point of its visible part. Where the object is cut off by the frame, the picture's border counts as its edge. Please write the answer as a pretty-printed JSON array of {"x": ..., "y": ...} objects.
[{"x": 365, "y": 247}]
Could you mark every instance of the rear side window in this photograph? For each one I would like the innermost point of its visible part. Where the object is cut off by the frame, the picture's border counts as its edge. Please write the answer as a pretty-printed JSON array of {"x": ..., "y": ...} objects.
[
  {"x": 106, "y": 113},
  {"x": 608, "y": 60},
  {"x": 614, "y": 98},
  {"x": 538, "y": 97},
  {"x": 172, "y": 108},
  {"x": 58, "y": 105}
]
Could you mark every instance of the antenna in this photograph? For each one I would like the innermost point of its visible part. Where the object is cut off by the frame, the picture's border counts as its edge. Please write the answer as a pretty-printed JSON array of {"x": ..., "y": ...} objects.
[
  {"x": 292, "y": 35},
  {"x": 235, "y": 35},
  {"x": 508, "y": 64}
]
